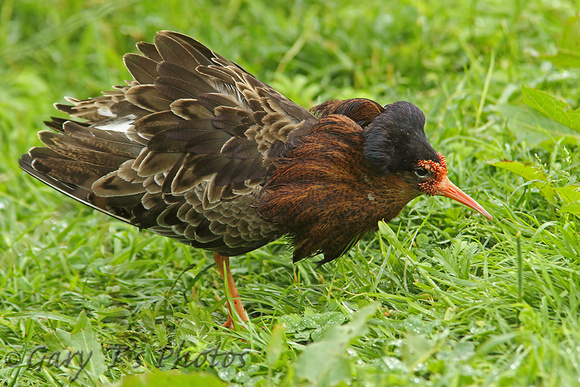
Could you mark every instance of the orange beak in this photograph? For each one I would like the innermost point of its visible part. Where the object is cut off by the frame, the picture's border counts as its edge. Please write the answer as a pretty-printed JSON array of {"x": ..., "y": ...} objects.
[{"x": 447, "y": 188}]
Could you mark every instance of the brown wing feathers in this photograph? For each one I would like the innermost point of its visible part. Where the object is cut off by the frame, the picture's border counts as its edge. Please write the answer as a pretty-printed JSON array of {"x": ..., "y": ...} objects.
[
  {"x": 185, "y": 148},
  {"x": 197, "y": 135}
]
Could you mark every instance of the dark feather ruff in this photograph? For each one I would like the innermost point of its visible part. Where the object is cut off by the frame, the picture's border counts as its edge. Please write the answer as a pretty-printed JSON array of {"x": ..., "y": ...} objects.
[{"x": 325, "y": 195}]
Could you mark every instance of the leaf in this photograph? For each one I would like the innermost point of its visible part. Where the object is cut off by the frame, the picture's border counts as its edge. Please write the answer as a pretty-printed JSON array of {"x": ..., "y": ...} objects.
[
  {"x": 320, "y": 320},
  {"x": 494, "y": 341},
  {"x": 276, "y": 345},
  {"x": 312, "y": 325},
  {"x": 391, "y": 237},
  {"x": 569, "y": 193},
  {"x": 57, "y": 339},
  {"x": 564, "y": 59},
  {"x": 172, "y": 378},
  {"x": 532, "y": 126},
  {"x": 457, "y": 259},
  {"x": 531, "y": 174},
  {"x": 417, "y": 350},
  {"x": 324, "y": 363},
  {"x": 552, "y": 106},
  {"x": 36, "y": 315},
  {"x": 83, "y": 340},
  {"x": 569, "y": 45},
  {"x": 572, "y": 208},
  {"x": 525, "y": 171}
]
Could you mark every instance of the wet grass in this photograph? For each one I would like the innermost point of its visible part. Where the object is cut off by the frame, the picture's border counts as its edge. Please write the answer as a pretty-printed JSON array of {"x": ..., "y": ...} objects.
[{"x": 440, "y": 297}]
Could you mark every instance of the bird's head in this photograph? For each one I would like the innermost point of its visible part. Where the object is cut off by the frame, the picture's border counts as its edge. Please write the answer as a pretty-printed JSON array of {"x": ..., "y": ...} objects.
[{"x": 395, "y": 143}]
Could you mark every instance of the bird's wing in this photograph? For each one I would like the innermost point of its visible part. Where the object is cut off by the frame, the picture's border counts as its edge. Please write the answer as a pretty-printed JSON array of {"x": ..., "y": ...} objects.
[{"x": 192, "y": 134}]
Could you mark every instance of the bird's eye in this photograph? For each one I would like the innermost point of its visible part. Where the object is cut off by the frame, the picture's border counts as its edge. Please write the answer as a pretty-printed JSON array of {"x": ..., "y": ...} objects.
[{"x": 422, "y": 172}]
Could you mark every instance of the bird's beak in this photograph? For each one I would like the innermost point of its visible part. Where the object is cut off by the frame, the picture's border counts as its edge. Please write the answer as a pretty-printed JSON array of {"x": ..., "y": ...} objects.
[{"x": 447, "y": 188}]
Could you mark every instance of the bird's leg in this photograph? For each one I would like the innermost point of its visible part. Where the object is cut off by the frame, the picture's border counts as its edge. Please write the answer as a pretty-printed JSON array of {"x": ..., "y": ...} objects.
[{"x": 223, "y": 265}]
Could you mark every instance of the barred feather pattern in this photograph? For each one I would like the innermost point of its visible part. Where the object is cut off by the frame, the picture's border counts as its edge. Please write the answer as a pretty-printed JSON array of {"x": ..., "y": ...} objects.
[{"x": 183, "y": 149}]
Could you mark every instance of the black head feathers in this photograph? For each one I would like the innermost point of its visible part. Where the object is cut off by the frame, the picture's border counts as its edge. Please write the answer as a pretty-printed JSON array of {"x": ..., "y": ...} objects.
[{"x": 395, "y": 140}]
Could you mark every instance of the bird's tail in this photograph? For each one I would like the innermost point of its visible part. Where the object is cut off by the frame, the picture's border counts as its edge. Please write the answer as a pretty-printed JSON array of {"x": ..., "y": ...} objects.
[{"x": 76, "y": 156}]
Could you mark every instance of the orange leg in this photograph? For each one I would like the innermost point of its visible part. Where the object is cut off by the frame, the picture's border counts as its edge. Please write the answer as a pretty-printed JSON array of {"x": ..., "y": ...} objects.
[{"x": 223, "y": 265}]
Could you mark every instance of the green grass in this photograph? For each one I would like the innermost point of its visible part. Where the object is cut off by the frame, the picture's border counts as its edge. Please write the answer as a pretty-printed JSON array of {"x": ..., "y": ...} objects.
[{"x": 440, "y": 297}]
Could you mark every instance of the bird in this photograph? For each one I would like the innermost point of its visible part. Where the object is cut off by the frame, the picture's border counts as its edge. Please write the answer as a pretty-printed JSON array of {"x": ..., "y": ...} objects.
[{"x": 196, "y": 149}]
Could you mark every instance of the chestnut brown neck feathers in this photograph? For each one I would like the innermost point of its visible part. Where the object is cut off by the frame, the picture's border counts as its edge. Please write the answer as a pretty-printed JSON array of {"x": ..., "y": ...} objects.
[{"x": 326, "y": 196}]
